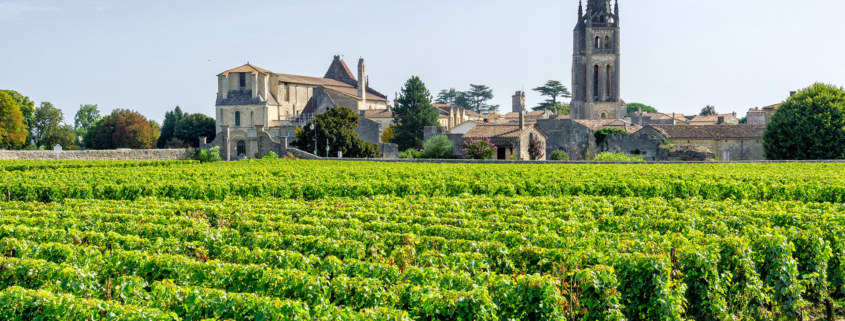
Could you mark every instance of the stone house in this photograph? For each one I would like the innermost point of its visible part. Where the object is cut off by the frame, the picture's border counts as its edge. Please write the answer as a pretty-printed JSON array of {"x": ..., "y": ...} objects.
[
  {"x": 728, "y": 142},
  {"x": 512, "y": 141},
  {"x": 576, "y": 136},
  {"x": 641, "y": 118},
  {"x": 758, "y": 116}
]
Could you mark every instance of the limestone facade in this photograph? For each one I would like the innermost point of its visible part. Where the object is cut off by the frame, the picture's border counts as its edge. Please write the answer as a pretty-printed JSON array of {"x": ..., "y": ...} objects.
[{"x": 596, "y": 63}]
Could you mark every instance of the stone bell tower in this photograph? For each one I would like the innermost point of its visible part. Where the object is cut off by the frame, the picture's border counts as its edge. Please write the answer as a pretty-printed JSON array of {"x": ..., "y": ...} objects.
[{"x": 596, "y": 63}]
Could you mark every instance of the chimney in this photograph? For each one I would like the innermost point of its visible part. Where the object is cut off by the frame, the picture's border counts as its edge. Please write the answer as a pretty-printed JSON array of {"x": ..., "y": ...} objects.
[
  {"x": 518, "y": 102},
  {"x": 395, "y": 101},
  {"x": 721, "y": 120},
  {"x": 521, "y": 120},
  {"x": 362, "y": 81},
  {"x": 792, "y": 93}
]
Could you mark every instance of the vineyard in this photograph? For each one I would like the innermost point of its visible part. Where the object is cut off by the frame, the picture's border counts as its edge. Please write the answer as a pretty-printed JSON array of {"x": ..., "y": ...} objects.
[{"x": 319, "y": 240}]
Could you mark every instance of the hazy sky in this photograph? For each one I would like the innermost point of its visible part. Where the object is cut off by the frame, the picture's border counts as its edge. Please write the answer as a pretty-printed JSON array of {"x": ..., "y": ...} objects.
[{"x": 677, "y": 55}]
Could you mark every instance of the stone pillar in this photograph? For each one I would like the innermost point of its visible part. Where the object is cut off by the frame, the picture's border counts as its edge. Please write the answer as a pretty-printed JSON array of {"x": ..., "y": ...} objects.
[
  {"x": 588, "y": 49},
  {"x": 225, "y": 151},
  {"x": 266, "y": 90},
  {"x": 203, "y": 141},
  {"x": 255, "y": 85}
]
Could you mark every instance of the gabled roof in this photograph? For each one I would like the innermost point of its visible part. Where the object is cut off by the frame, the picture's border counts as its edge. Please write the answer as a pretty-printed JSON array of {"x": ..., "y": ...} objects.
[
  {"x": 338, "y": 70},
  {"x": 710, "y": 131},
  {"x": 377, "y": 113},
  {"x": 246, "y": 68},
  {"x": 711, "y": 118},
  {"x": 535, "y": 113},
  {"x": 771, "y": 107},
  {"x": 499, "y": 131},
  {"x": 663, "y": 116},
  {"x": 596, "y": 124}
]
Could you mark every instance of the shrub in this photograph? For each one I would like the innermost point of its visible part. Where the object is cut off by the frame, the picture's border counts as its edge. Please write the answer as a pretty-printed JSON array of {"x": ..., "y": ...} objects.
[
  {"x": 617, "y": 157},
  {"x": 478, "y": 148},
  {"x": 411, "y": 154},
  {"x": 438, "y": 147},
  {"x": 808, "y": 125},
  {"x": 270, "y": 155},
  {"x": 209, "y": 155},
  {"x": 559, "y": 155},
  {"x": 601, "y": 134},
  {"x": 536, "y": 148}
]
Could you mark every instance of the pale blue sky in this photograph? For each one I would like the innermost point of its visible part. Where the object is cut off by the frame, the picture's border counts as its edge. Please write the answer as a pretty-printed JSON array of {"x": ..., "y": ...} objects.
[{"x": 678, "y": 55}]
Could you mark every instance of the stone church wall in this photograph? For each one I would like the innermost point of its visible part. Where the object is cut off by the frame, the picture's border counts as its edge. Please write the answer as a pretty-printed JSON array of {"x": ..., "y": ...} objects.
[{"x": 564, "y": 134}]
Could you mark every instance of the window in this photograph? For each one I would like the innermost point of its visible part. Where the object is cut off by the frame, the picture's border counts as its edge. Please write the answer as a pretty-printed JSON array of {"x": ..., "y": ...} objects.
[
  {"x": 237, "y": 119},
  {"x": 598, "y": 42},
  {"x": 603, "y": 115},
  {"x": 251, "y": 118},
  {"x": 609, "y": 84},
  {"x": 607, "y": 41},
  {"x": 241, "y": 148},
  {"x": 242, "y": 79},
  {"x": 595, "y": 81}
]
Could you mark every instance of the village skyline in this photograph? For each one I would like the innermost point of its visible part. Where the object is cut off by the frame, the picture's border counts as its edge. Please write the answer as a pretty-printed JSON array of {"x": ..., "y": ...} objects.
[{"x": 676, "y": 56}]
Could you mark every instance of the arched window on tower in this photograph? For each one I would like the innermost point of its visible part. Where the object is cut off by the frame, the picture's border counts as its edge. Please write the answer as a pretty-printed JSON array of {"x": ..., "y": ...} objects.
[
  {"x": 598, "y": 42},
  {"x": 596, "y": 81},
  {"x": 607, "y": 41},
  {"x": 603, "y": 115},
  {"x": 237, "y": 119},
  {"x": 609, "y": 82}
]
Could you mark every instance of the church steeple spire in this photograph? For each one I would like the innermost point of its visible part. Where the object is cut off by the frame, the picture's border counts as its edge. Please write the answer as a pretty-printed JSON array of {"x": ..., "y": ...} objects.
[{"x": 580, "y": 9}]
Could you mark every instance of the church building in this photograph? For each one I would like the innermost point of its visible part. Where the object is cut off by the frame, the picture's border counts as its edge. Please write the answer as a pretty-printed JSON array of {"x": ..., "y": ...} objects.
[
  {"x": 596, "y": 63},
  {"x": 252, "y": 101}
]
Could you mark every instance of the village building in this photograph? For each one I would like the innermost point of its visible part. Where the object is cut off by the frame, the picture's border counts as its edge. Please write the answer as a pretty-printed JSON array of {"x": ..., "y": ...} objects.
[
  {"x": 729, "y": 119},
  {"x": 596, "y": 62},
  {"x": 726, "y": 142}
]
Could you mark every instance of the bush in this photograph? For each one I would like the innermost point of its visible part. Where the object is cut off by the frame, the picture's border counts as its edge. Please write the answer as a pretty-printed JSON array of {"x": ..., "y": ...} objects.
[
  {"x": 438, "y": 147},
  {"x": 270, "y": 155},
  {"x": 209, "y": 155},
  {"x": 601, "y": 134},
  {"x": 617, "y": 157},
  {"x": 478, "y": 148},
  {"x": 808, "y": 125},
  {"x": 559, "y": 155},
  {"x": 411, "y": 154}
]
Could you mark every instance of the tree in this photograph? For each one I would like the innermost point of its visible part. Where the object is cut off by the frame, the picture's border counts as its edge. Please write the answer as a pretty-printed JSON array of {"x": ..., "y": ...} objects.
[
  {"x": 601, "y": 134},
  {"x": 387, "y": 134},
  {"x": 536, "y": 148},
  {"x": 635, "y": 107},
  {"x": 171, "y": 119},
  {"x": 156, "y": 130},
  {"x": 337, "y": 128},
  {"x": 448, "y": 97},
  {"x": 13, "y": 130},
  {"x": 193, "y": 126},
  {"x": 553, "y": 89},
  {"x": 27, "y": 108},
  {"x": 63, "y": 135},
  {"x": 477, "y": 98},
  {"x": 413, "y": 114},
  {"x": 47, "y": 118},
  {"x": 85, "y": 118},
  {"x": 810, "y": 125},
  {"x": 438, "y": 147},
  {"x": 708, "y": 111},
  {"x": 558, "y": 108},
  {"x": 123, "y": 128}
]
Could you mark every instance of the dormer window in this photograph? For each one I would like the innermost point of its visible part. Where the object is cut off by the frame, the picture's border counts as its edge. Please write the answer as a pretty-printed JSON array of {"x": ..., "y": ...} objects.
[{"x": 242, "y": 79}]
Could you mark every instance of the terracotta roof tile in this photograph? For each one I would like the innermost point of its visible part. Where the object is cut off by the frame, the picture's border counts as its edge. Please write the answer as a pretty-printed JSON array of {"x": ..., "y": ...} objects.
[
  {"x": 771, "y": 107},
  {"x": 710, "y": 131},
  {"x": 710, "y": 118},
  {"x": 498, "y": 131},
  {"x": 378, "y": 113},
  {"x": 596, "y": 124}
]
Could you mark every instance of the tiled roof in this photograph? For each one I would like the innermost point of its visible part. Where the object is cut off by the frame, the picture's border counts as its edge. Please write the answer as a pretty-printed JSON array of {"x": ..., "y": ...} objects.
[
  {"x": 596, "y": 124},
  {"x": 771, "y": 107},
  {"x": 710, "y": 131},
  {"x": 445, "y": 108},
  {"x": 534, "y": 113},
  {"x": 710, "y": 118},
  {"x": 246, "y": 68},
  {"x": 377, "y": 113},
  {"x": 498, "y": 131}
]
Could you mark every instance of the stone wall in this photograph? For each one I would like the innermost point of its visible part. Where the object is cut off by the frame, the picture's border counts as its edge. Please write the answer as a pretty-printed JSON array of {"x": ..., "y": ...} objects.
[
  {"x": 389, "y": 151},
  {"x": 646, "y": 146},
  {"x": 368, "y": 130},
  {"x": 571, "y": 137},
  {"x": 431, "y": 131},
  {"x": 122, "y": 155}
]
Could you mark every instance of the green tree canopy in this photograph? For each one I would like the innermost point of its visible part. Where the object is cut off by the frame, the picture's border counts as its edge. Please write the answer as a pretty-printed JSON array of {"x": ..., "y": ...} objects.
[
  {"x": 191, "y": 127},
  {"x": 553, "y": 89},
  {"x": 477, "y": 98},
  {"x": 708, "y": 111},
  {"x": 413, "y": 114},
  {"x": 558, "y": 108},
  {"x": 634, "y": 107},
  {"x": 27, "y": 108},
  {"x": 63, "y": 135},
  {"x": 47, "y": 118},
  {"x": 13, "y": 131},
  {"x": 810, "y": 125},
  {"x": 86, "y": 116},
  {"x": 123, "y": 128},
  {"x": 449, "y": 97},
  {"x": 168, "y": 129},
  {"x": 337, "y": 128}
]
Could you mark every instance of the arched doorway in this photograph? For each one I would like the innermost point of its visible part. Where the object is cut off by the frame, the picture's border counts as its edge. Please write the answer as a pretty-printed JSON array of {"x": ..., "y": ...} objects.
[{"x": 241, "y": 150}]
